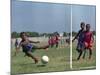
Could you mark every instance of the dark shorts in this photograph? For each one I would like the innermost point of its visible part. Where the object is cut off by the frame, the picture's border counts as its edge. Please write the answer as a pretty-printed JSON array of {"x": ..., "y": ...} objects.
[
  {"x": 80, "y": 46},
  {"x": 29, "y": 49}
]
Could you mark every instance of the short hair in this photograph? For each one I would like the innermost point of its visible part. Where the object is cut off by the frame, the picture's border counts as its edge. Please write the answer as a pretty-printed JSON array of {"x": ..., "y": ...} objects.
[
  {"x": 21, "y": 34},
  {"x": 82, "y": 23},
  {"x": 88, "y": 25}
]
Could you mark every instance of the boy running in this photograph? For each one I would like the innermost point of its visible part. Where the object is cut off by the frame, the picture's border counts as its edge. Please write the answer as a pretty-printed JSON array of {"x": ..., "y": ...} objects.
[
  {"x": 16, "y": 46},
  {"x": 80, "y": 37},
  {"x": 56, "y": 40},
  {"x": 88, "y": 40}
]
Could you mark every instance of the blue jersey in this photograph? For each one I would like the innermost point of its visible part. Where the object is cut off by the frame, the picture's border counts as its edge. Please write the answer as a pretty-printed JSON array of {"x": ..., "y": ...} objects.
[
  {"x": 81, "y": 36},
  {"x": 29, "y": 46}
]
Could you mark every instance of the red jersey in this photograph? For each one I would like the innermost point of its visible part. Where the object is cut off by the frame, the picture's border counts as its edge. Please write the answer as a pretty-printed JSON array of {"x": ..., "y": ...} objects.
[
  {"x": 88, "y": 36},
  {"x": 57, "y": 39},
  {"x": 54, "y": 40},
  {"x": 51, "y": 41}
]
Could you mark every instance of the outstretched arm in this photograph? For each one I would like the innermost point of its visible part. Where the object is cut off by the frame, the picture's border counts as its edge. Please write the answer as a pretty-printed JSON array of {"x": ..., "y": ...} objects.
[{"x": 76, "y": 36}]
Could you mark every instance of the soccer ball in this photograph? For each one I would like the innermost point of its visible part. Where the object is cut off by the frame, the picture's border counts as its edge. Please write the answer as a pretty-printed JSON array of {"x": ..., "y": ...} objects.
[{"x": 45, "y": 59}]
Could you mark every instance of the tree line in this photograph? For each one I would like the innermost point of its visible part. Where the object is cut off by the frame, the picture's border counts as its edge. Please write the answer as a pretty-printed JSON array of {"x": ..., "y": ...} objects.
[{"x": 36, "y": 34}]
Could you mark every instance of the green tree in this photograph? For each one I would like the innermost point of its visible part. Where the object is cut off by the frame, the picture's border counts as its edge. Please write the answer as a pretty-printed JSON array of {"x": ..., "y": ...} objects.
[
  {"x": 14, "y": 35},
  {"x": 74, "y": 33},
  {"x": 64, "y": 34}
]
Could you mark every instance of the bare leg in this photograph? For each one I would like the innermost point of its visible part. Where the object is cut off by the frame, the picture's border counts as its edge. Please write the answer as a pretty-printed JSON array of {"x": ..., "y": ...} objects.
[
  {"x": 84, "y": 54},
  {"x": 56, "y": 45},
  {"x": 29, "y": 54},
  {"x": 16, "y": 52},
  {"x": 90, "y": 53},
  {"x": 80, "y": 54},
  {"x": 43, "y": 47}
]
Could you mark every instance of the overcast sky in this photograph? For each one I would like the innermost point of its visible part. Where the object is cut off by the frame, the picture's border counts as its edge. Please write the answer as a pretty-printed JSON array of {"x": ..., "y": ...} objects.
[
  {"x": 81, "y": 13},
  {"x": 49, "y": 17},
  {"x": 40, "y": 17}
]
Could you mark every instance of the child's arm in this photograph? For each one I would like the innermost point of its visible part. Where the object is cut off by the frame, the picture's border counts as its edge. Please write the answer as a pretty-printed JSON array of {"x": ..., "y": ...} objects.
[
  {"x": 76, "y": 36},
  {"x": 92, "y": 37}
]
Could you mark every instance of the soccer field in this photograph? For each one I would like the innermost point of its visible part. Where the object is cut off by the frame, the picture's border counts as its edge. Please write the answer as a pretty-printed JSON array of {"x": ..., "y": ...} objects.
[
  {"x": 59, "y": 61},
  {"x": 83, "y": 63}
]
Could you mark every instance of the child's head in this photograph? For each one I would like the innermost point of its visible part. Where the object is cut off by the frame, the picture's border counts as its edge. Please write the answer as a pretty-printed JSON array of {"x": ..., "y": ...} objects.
[
  {"x": 82, "y": 25},
  {"x": 88, "y": 27},
  {"x": 23, "y": 35}
]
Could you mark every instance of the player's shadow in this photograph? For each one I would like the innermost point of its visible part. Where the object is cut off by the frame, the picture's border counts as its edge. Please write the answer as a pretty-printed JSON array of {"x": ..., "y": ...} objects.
[
  {"x": 69, "y": 60},
  {"x": 26, "y": 64},
  {"x": 42, "y": 65}
]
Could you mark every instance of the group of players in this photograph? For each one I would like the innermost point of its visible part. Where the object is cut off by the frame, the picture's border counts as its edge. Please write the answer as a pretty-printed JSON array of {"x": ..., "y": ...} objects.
[
  {"x": 85, "y": 40},
  {"x": 57, "y": 40},
  {"x": 84, "y": 36},
  {"x": 53, "y": 40}
]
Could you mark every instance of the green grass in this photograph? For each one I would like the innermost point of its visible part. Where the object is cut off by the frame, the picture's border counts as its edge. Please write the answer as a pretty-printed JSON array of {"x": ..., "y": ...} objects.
[
  {"x": 59, "y": 61},
  {"x": 82, "y": 63}
]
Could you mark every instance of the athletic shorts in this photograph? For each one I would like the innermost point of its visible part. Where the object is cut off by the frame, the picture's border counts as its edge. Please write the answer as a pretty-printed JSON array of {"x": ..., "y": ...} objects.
[
  {"x": 88, "y": 45},
  {"x": 30, "y": 48},
  {"x": 80, "y": 46}
]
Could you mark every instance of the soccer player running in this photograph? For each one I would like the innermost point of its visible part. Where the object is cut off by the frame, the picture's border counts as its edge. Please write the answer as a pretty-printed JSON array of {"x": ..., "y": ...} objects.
[
  {"x": 57, "y": 40},
  {"x": 80, "y": 37},
  {"x": 51, "y": 41},
  {"x": 27, "y": 46},
  {"x": 68, "y": 39},
  {"x": 88, "y": 40},
  {"x": 16, "y": 46}
]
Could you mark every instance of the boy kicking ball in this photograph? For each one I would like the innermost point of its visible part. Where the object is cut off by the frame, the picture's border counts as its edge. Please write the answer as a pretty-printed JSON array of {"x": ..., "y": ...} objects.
[{"x": 27, "y": 46}]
